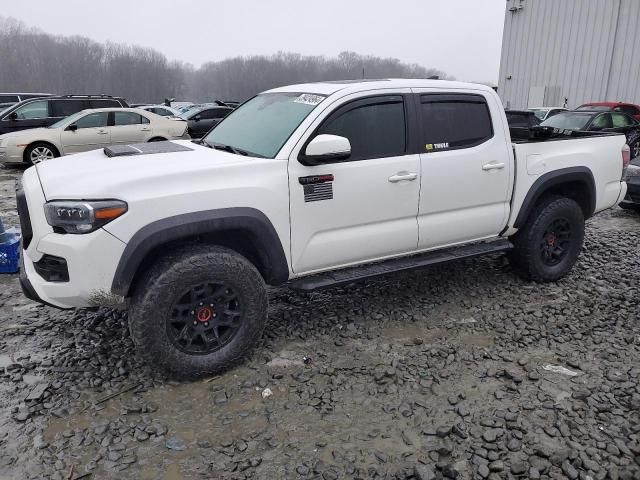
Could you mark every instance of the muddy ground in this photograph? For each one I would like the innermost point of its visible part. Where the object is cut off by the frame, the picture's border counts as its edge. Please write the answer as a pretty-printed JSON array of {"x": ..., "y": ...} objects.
[{"x": 461, "y": 371}]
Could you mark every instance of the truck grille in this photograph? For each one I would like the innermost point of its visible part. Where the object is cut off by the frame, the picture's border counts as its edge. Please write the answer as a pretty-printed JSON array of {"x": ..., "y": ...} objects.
[{"x": 25, "y": 221}]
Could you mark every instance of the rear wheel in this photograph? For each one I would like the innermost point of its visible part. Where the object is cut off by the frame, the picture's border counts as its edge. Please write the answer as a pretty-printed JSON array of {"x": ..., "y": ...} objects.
[
  {"x": 198, "y": 311},
  {"x": 547, "y": 247},
  {"x": 39, "y": 152}
]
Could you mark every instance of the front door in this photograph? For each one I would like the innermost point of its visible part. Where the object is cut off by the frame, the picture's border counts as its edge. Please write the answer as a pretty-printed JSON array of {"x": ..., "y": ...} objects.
[
  {"x": 91, "y": 133},
  {"x": 363, "y": 208},
  {"x": 31, "y": 115},
  {"x": 466, "y": 168}
]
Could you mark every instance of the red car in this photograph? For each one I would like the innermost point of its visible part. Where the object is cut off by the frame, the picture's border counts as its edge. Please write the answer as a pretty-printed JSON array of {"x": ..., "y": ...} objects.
[{"x": 628, "y": 108}]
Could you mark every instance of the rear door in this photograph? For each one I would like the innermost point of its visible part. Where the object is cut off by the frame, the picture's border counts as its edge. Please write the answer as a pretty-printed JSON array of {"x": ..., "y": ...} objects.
[
  {"x": 63, "y": 107},
  {"x": 92, "y": 133},
  {"x": 129, "y": 127},
  {"x": 363, "y": 208},
  {"x": 466, "y": 168}
]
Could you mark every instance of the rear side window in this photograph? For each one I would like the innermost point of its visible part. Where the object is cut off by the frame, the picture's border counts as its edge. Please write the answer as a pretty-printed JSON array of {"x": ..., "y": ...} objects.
[
  {"x": 104, "y": 104},
  {"x": 128, "y": 118},
  {"x": 621, "y": 120},
  {"x": 374, "y": 129},
  {"x": 64, "y": 108},
  {"x": 454, "y": 121}
]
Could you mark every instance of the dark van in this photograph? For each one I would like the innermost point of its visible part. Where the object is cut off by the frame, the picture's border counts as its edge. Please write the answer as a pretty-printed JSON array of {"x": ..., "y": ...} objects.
[{"x": 42, "y": 112}]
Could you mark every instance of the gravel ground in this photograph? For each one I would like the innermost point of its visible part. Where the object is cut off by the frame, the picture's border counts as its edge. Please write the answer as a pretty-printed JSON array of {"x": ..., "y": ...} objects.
[{"x": 460, "y": 371}]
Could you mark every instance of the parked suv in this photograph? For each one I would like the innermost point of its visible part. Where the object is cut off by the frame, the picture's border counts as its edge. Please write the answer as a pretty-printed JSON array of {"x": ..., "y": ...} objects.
[
  {"x": 9, "y": 99},
  {"x": 42, "y": 112}
]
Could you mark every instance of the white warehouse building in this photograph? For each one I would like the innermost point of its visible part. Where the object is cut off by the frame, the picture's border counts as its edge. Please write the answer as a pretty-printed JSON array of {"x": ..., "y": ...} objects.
[{"x": 576, "y": 51}]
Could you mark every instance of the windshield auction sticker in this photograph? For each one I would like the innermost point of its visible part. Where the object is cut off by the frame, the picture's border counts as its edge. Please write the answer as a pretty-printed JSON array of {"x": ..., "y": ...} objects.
[{"x": 309, "y": 99}]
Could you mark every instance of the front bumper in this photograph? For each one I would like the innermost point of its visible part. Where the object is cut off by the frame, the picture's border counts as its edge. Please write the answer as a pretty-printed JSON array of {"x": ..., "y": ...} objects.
[
  {"x": 11, "y": 154},
  {"x": 91, "y": 259}
]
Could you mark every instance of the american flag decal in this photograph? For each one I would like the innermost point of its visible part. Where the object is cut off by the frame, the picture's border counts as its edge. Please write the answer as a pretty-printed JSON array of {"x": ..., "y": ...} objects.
[{"x": 318, "y": 191}]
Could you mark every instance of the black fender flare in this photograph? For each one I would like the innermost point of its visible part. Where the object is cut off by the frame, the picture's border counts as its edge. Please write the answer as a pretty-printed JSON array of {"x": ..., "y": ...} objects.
[
  {"x": 249, "y": 221},
  {"x": 551, "y": 179}
]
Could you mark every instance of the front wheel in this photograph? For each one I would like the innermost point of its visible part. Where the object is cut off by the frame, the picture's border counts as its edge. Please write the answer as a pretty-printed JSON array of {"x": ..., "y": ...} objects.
[
  {"x": 39, "y": 152},
  {"x": 547, "y": 247},
  {"x": 198, "y": 312}
]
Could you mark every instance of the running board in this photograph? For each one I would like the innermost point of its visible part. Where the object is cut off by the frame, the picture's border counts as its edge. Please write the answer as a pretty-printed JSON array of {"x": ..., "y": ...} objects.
[{"x": 354, "y": 274}]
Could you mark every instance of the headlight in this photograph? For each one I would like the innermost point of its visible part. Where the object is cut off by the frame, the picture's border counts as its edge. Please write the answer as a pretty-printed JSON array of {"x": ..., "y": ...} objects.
[
  {"x": 82, "y": 217},
  {"x": 632, "y": 171}
]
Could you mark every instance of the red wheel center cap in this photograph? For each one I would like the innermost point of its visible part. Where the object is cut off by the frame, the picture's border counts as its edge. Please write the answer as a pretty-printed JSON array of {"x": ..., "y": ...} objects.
[
  {"x": 204, "y": 314},
  {"x": 551, "y": 239}
]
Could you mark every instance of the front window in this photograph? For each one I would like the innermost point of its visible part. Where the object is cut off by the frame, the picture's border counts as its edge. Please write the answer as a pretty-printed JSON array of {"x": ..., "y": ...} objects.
[
  {"x": 568, "y": 121},
  {"x": 93, "y": 120},
  {"x": 540, "y": 113},
  {"x": 262, "y": 125},
  {"x": 67, "y": 121},
  {"x": 33, "y": 110}
]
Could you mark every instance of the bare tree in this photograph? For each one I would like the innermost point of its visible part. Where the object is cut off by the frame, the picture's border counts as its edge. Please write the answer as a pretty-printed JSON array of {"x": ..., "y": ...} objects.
[{"x": 31, "y": 60}]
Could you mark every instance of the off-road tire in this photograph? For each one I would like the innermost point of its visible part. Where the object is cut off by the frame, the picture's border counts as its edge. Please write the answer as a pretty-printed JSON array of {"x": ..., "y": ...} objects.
[
  {"x": 153, "y": 299},
  {"x": 526, "y": 256}
]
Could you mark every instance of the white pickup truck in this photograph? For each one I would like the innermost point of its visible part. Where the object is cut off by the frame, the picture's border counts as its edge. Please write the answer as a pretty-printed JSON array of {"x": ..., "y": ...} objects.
[{"x": 307, "y": 185}]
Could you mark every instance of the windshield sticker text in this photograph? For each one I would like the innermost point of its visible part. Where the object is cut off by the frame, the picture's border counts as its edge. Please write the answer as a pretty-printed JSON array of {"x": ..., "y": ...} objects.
[{"x": 309, "y": 99}]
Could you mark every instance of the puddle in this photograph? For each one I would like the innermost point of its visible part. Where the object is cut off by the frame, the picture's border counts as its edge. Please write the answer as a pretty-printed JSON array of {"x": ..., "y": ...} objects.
[
  {"x": 32, "y": 379},
  {"x": 5, "y": 361}
]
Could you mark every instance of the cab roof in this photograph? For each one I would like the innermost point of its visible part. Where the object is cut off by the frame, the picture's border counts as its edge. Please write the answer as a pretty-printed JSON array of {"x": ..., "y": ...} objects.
[{"x": 361, "y": 85}]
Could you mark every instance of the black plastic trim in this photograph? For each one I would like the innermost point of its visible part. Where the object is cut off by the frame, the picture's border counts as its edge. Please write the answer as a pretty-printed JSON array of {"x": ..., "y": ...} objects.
[
  {"x": 28, "y": 290},
  {"x": 248, "y": 220},
  {"x": 551, "y": 179}
]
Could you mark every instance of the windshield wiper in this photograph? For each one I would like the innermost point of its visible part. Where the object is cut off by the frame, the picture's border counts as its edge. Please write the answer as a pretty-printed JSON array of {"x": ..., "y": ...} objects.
[{"x": 229, "y": 148}]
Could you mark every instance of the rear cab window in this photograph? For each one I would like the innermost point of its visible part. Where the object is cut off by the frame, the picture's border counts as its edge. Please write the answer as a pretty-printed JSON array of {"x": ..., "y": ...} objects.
[{"x": 454, "y": 121}]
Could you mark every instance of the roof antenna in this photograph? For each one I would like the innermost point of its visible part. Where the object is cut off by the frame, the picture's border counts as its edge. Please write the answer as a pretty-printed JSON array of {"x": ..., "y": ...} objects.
[{"x": 434, "y": 77}]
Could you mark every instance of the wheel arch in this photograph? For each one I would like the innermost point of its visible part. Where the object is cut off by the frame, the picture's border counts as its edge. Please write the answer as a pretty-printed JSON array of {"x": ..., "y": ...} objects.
[
  {"x": 244, "y": 230},
  {"x": 25, "y": 157},
  {"x": 157, "y": 138},
  {"x": 576, "y": 183}
]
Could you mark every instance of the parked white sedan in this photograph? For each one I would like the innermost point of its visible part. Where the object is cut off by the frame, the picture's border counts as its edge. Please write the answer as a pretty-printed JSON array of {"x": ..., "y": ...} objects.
[{"x": 88, "y": 130}]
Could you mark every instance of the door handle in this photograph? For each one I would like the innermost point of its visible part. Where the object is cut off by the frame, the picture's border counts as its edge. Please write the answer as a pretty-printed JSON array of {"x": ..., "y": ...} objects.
[
  {"x": 146, "y": 129},
  {"x": 493, "y": 166},
  {"x": 102, "y": 132},
  {"x": 403, "y": 177}
]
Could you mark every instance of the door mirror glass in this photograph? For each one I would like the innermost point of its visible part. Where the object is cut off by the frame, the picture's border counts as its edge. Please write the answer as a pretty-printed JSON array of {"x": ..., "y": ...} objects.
[
  {"x": 327, "y": 148},
  {"x": 72, "y": 128}
]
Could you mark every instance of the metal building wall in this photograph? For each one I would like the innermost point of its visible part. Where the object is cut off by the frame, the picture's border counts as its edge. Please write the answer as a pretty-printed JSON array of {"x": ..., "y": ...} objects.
[{"x": 584, "y": 50}]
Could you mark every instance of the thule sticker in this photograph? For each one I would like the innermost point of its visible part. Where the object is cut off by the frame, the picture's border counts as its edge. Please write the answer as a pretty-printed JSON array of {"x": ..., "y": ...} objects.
[
  {"x": 309, "y": 99},
  {"x": 430, "y": 147}
]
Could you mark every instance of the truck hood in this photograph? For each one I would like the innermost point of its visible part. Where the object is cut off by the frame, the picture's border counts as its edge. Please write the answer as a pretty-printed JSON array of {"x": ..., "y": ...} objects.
[{"x": 94, "y": 175}]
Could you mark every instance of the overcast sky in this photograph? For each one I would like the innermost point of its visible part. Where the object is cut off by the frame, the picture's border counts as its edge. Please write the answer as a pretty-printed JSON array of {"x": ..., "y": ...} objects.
[{"x": 461, "y": 37}]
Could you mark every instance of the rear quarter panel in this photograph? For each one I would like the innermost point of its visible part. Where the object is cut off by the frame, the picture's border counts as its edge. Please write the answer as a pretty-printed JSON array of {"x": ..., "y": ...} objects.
[{"x": 601, "y": 155}]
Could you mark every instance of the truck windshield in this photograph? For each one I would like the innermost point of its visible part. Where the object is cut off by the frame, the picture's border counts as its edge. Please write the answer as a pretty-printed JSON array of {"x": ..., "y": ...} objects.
[
  {"x": 568, "y": 121},
  {"x": 262, "y": 125}
]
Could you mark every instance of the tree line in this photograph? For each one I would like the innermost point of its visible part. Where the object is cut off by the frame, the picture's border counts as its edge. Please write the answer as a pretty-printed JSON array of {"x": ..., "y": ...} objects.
[{"x": 34, "y": 61}]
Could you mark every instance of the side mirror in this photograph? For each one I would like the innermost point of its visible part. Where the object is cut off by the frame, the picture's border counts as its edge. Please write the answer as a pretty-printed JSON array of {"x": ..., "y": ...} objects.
[
  {"x": 326, "y": 149},
  {"x": 13, "y": 116},
  {"x": 72, "y": 128},
  {"x": 197, "y": 118}
]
